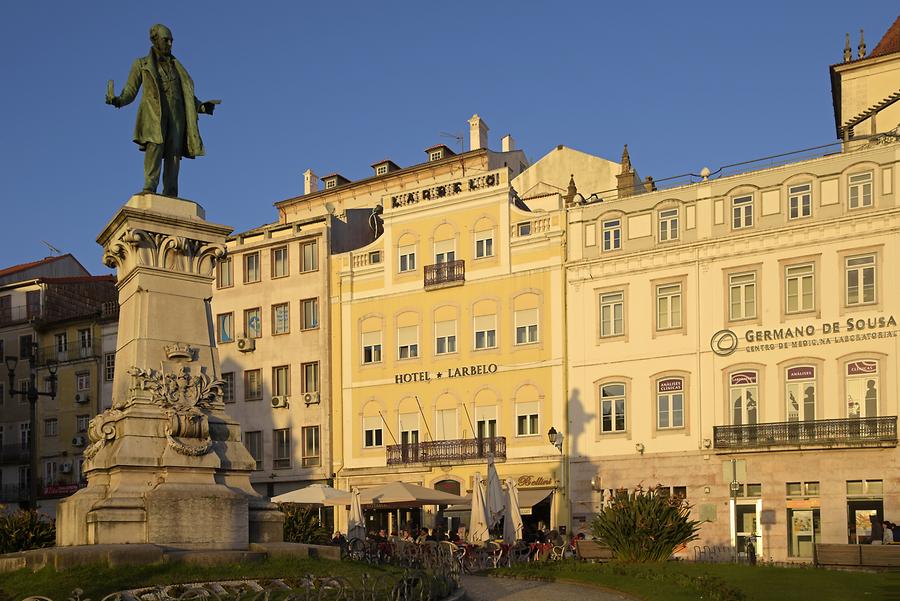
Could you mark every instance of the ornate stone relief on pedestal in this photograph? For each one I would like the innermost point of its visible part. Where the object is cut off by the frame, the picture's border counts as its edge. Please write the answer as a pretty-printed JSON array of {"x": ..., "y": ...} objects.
[{"x": 142, "y": 248}]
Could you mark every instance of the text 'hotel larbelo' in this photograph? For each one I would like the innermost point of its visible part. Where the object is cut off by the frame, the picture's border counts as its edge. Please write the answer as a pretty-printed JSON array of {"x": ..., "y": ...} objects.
[{"x": 732, "y": 337}]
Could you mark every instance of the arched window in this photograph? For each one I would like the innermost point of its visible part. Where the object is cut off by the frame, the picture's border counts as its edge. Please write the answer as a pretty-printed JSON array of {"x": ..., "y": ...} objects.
[
  {"x": 800, "y": 393},
  {"x": 744, "y": 395},
  {"x": 670, "y": 403},
  {"x": 612, "y": 407},
  {"x": 862, "y": 388}
]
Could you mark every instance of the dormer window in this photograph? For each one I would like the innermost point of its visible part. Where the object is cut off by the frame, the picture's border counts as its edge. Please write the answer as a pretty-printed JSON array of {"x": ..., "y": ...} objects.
[
  {"x": 334, "y": 180},
  {"x": 384, "y": 167},
  {"x": 332, "y": 183},
  {"x": 381, "y": 170},
  {"x": 438, "y": 152},
  {"x": 436, "y": 155}
]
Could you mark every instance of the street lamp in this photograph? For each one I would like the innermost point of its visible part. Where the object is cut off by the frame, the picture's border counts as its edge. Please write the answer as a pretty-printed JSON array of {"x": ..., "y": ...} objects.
[
  {"x": 31, "y": 393},
  {"x": 556, "y": 438}
]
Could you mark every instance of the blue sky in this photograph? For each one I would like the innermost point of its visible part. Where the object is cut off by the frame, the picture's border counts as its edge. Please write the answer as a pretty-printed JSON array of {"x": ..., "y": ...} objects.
[{"x": 337, "y": 86}]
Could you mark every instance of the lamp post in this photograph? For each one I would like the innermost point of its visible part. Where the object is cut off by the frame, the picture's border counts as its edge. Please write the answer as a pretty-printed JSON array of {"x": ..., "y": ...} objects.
[
  {"x": 556, "y": 439},
  {"x": 31, "y": 393}
]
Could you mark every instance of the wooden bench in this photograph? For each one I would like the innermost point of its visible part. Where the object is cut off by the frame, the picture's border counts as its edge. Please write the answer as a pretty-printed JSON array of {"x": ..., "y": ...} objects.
[
  {"x": 867, "y": 556},
  {"x": 593, "y": 551}
]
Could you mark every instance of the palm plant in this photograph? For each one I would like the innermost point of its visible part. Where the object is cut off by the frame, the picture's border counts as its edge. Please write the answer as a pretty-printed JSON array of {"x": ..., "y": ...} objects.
[
  {"x": 301, "y": 525},
  {"x": 645, "y": 525}
]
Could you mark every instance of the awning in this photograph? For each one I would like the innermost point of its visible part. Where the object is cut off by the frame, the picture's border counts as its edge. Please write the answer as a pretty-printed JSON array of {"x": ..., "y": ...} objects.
[{"x": 527, "y": 499}]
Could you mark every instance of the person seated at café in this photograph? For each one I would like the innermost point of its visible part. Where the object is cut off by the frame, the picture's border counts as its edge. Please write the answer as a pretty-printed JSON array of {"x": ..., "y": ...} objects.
[
  {"x": 438, "y": 534},
  {"x": 454, "y": 537},
  {"x": 422, "y": 536},
  {"x": 338, "y": 539},
  {"x": 888, "y": 536}
]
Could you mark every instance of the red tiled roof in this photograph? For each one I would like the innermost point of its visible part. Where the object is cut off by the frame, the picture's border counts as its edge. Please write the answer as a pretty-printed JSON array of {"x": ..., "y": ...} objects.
[
  {"x": 26, "y": 266},
  {"x": 890, "y": 42},
  {"x": 76, "y": 279}
]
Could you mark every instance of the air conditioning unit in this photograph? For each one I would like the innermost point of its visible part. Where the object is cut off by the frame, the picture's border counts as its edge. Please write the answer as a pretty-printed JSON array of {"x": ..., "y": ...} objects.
[
  {"x": 279, "y": 401},
  {"x": 311, "y": 398},
  {"x": 81, "y": 397},
  {"x": 245, "y": 345},
  {"x": 79, "y": 441},
  {"x": 66, "y": 468}
]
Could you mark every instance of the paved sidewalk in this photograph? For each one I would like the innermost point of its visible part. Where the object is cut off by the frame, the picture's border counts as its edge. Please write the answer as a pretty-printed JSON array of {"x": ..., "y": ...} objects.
[{"x": 484, "y": 588}]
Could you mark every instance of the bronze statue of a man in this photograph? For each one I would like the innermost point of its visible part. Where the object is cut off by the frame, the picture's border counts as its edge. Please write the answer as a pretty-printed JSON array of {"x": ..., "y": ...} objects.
[{"x": 166, "y": 127}]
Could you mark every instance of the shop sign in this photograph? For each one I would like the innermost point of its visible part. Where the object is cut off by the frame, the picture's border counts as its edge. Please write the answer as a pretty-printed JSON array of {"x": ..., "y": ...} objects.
[
  {"x": 725, "y": 342},
  {"x": 449, "y": 373},
  {"x": 670, "y": 385},
  {"x": 802, "y": 503},
  {"x": 862, "y": 367},
  {"x": 60, "y": 489},
  {"x": 743, "y": 378},
  {"x": 804, "y": 372},
  {"x": 529, "y": 481}
]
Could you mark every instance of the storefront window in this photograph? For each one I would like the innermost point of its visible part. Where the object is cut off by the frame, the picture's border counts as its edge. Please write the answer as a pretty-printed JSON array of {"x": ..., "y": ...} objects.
[
  {"x": 864, "y": 503},
  {"x": 803, "y": 519}
]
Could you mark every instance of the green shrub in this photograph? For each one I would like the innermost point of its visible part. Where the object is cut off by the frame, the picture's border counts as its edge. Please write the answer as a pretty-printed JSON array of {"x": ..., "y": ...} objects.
[
  {"x": 301, "y": 525},
  {"x": 645, "y": 525},
  {"x": 26, "y": 529}
]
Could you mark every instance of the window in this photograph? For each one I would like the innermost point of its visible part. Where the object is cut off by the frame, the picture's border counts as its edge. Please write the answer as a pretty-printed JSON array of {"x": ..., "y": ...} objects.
[
  {"x": 371, "y": 342},
  {"x": 281, "y": 380},
  {"x": 50, "y": 472},
  {"x": 381, "y": 169},
  {"x": 741, "y": 212},
  {"x": 85, "y": 342},
  {"x": 486, "y": 331},
  {"x": 310, "y": 435},
  {"x": 252, "y": 385},
  {"x": 253, "y": 323},
  {"x": 281, "y": 451},
  {"x": 799, "y": 281},
  {"x": 612, "y": 314},
  {"x": 251, "y": 267},
  {"x": 330, "y": 183},
  {"x": 744, "y": 397},
  {"x": 742, "y": 296},
  {"x": 445, "y": 424},
  {"x": 860, "y": 278},
  {"x": 309, "y": 256},
  {"x": 310, "y": 313},
  {"x": 445, "y": 337},
  {"x": 225, "y": 327},
  {"x": 281, "y": 318},
  {"x": 51, "y": 427},
  {"x": 407, "y": 342},
  {"x": 409, "y": 434},
  {"x": 33, "y": 304},
  {"x": 444, "y": 251},
  {"x": 435, "y": 155},
  {"x": 486, "y": 428},
  {"x": 375, "y": 257},
  {"x": 25, "y": 347},
  {"x": 668, "y": 225},
  {"x": 862, "y": 388},
  {"x": 82, "y": 382},
  {"x": 24, "y": 435},
  {"x": 109, "y": 366},
  {"x": 862, "y": 488},
  {"x": 527, "y": 418},
  {"x": 612, "y": 408},
  {"x": 253, "y": 443},
  {"x": 799, "y": 201},
  {"x": 526, "y": 321},
  {"x": 61, "y": 345},
  {"x": 611, "y": 231},
  {"x": 859, "y": 191},
  {"x": 484, "y": 244},
  {"x": 309, "y": 377},
  {"x": 524, "y": 228},
  {"x": 407, "y": 258},
  {"x": 800, "y": 393},
  {"x": 372, "y": 431},
  {"x": 670, "y": 403},
  {"x": 280, "y": 267},
  {"x": 228, "y": 387},
  {"x": 82, "y": 422},
  {"x": 225, "y": 273},
  {"x": 668, "y": 306},
  {"x": 23, "y": 385}
]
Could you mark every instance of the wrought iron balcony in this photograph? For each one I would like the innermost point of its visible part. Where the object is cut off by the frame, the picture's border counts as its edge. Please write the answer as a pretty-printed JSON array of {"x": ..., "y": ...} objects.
[
  {"x": 73, "y": 351},
  {"x": 851, "y": 431},
  {"x": 13, "y": 493},
  {"x": 10, "y": 315},
  {"x": 442, "y": 275},
  {"x": 14, "y": 453},
  {"x": 447, "y": 452}
]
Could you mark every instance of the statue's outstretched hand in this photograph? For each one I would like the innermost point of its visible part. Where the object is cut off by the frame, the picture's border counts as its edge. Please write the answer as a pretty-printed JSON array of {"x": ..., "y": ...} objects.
[
  {"x": 113, "y": 100},
  {"x": 209, "y": 106}
]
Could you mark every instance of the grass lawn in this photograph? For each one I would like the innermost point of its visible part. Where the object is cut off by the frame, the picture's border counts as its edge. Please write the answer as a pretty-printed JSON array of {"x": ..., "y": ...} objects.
[
  {"x": 97, "y": 581},
  {"x": 678, "y": 581}
]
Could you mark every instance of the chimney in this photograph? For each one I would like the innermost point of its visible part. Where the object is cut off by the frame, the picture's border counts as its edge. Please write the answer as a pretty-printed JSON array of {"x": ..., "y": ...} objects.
[
  {"x": 478, "y": 133},
  {"x": 310, "y": 182},
  {"x": 507, "y": 144}
]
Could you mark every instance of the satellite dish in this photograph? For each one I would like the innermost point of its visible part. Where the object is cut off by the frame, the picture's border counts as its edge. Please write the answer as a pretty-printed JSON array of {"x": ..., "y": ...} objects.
[{"x": 329, "y": 206}]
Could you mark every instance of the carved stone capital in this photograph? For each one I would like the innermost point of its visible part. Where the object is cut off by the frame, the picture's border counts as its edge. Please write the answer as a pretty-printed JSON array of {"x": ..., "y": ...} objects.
[{"x": 143, "y": 248}]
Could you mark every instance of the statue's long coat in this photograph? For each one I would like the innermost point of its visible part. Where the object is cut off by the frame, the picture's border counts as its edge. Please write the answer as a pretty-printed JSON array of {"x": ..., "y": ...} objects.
[{"x": 148, "y": 127}]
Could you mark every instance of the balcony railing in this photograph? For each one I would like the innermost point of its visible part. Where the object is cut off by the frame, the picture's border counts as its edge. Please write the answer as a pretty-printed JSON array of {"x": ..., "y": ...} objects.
[
  {"x": 73, "y": 351},
  {"x": 447, "y": 452},
  {"x": 11, "y": 315},
  {"x": 852, "y": 431},
  {"x": 451, "y": 273},
  {"x": 14, "y": 453},
  {"x": 13, "y": 493}
]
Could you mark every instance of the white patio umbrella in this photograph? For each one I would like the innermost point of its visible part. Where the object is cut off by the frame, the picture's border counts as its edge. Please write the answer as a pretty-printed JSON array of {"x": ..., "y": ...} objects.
[
  {"x": 494, "y": 499},
  {"x": 478, "y": 521},
  {"x": 512, "y": 516},
  {"x": 402, "y": 494},
  {"x": 314, "y": 494},
  {"x": 356, "y": 525}
]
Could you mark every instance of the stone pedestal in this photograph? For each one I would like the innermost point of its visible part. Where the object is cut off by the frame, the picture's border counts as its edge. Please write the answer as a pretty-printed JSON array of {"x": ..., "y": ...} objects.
[{"x": 166, "y": 464}]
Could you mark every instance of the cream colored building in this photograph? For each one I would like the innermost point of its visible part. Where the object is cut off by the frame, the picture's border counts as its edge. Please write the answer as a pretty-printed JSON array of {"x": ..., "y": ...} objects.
[{"x": 744, "y": 327}]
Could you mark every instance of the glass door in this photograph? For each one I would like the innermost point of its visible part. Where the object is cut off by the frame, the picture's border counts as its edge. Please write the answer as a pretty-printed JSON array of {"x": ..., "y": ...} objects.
[{"x": 744, "y": 525}]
